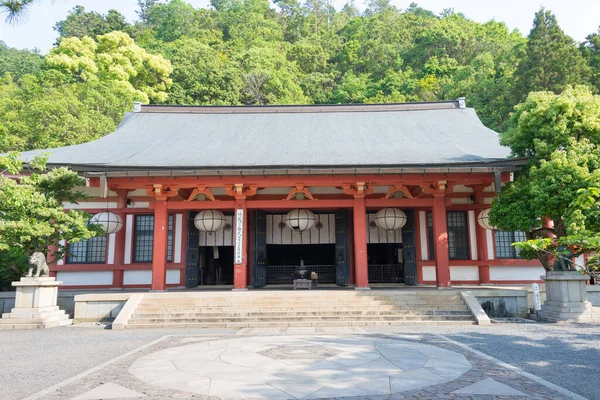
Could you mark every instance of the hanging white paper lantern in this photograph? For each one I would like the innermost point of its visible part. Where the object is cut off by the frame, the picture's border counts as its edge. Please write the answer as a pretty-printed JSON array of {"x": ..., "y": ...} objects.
[
  {"x": 300, "y": 220},
  {"x": 209, "y": 220},
  {"x": 109, "y": 221},
  {"x": 390, "y": 219},
  {"x": 483, "y": 219}
]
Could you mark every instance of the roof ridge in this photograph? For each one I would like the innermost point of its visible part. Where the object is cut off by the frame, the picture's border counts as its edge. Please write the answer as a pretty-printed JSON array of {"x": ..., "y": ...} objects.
[{"x": 292, "y": 108}]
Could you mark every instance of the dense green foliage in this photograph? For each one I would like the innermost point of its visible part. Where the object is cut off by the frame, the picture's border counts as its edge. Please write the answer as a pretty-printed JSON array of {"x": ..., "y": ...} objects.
[
  {"x": 285, "y": 52},
  {"x": 32, "y": 216},
  {"x": 560, "y": 134}
]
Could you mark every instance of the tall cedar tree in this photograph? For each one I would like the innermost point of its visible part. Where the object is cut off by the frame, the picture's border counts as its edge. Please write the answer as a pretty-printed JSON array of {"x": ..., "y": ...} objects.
[{"x": 552, "y": 60}]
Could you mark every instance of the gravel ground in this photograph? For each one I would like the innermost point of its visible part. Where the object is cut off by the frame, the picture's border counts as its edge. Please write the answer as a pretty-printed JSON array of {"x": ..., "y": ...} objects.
[{"x": 568, "y": 356}]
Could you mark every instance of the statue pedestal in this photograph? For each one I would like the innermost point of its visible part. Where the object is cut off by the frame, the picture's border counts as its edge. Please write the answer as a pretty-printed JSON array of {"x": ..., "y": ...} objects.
[
  {"x": 35, "y": 305},
  {"x": 566, "y": 297}
]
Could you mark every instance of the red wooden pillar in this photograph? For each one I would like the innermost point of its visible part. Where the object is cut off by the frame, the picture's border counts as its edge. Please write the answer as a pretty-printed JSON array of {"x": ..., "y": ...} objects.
[
  {"x": 481, "y": 237},
  {"x": 440, "y": 233},
  {"x": 361, "y": 269},
  {"x": 159, "y": 251},
  {"x": 51, "y": 259},
  {"x": 120, "y": 240},
  {"x": 240, "y": 257}
]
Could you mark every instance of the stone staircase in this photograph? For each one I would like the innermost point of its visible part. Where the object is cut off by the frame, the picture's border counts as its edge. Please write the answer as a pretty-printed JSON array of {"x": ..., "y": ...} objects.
[
  {"x": 274, "y": 309},
  {"x": 41, "y": 318}
]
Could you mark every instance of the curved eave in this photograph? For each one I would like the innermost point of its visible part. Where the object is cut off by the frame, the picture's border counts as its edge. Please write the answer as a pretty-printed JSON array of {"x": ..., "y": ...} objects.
[{"x": 505, "y": 165}]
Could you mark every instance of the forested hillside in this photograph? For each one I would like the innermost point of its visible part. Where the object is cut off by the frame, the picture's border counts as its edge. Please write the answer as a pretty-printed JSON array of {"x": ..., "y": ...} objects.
[{"x": 254, "y": 52}]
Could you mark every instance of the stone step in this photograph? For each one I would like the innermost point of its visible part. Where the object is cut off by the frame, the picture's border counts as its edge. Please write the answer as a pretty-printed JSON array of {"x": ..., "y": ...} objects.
[
  {"x": 226, "y": 319},
  {"x": 27, "y": 323},
  {"x": 178, "y": 313},
  {"x": 152, "y": 309},
  {"x": 295, "y": 324},
  {"x": 362, "y": 300}
]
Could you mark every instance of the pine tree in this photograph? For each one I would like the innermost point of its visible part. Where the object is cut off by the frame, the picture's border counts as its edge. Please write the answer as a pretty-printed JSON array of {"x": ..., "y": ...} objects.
[{"x": 552, "y": 60}]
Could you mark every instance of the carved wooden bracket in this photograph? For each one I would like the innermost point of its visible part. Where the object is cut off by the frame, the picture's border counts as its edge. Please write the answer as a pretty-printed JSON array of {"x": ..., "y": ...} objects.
[
  {"x": 300, "y": 188},
  {"x": 201, "y": 189},
  {"x": 162, "y": 192},
  {"x": 357, "y": 189},
  {"x": 241, "y": 191},
  {"x": 398, "y": 187},
  {"x": 436, "y": 189}
]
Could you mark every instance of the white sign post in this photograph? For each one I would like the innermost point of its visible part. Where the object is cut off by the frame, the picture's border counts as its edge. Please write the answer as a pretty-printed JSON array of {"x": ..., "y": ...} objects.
[
  {"x": 536, "y": 300},
  {"x": 239, "y": 235}
]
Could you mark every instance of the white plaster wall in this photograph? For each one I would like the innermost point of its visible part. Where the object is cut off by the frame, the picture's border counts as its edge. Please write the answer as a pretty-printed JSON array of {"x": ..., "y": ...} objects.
[
  {"x": 144, "y": 277},
  {"x": 173, "y": 276},
  {"x": 90, "y": 204},
  {"x": 423, "y": 235},
  {"x": 460, "y": 200},
  {"x": 464, "y": 273},
  {"x": 472, "y": 235},
  {"x": 525, "y": 273},
  {"x": 139, "y": 277},
  {"x": 489, "y": 237},
  {"x": 178, "y": 238},
  {"x": 111, "y": 249},
  {"x": 140, "y": 204},
  {"x": 462, "y": 189},
  {"x": 429, "y": 273},
  {"x": 72, "y": 278},
  {"x": 128, "y": 238}
]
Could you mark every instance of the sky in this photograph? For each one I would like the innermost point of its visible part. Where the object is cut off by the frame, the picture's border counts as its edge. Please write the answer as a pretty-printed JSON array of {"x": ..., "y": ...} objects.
[{"x": 578, "y": 18}]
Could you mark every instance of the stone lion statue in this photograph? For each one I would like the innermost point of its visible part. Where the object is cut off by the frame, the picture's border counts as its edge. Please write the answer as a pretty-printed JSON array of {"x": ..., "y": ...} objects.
[{"x": 38, "y": 261}]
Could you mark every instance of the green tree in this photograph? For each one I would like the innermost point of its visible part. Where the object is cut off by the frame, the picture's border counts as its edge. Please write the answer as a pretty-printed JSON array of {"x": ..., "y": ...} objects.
[
  {"x": 591, "y": 51},
  {"x": 552, "y": 60},
  {"x": 113, "y": 57},
  {"x": 560, "y": 134},
  {"x": 44, "y": 111},
  {"x": 19, "y": 62},
  {"x": 80, "y": 23},
  {"x": 32, "y": 217},
  {"x": 202, "y": 74}
]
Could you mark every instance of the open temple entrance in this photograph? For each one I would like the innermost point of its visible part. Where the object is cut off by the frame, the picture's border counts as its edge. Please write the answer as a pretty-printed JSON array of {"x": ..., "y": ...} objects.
[
  {"x": 215, "y": 265},
  {"x": 282, "y": 260},
  {"x": 391, "y": 254},
  {"x": 385, "y": 263},
  {"x": 278, "y": 250},
  {"x": 209, "y": 258}
]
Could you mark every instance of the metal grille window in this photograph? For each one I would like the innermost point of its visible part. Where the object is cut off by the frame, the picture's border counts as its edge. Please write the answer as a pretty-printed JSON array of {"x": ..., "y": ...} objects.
[
  {"x": 91, "y": 251},
  {"x": 170, "y": 240},
  {"x": 143, "y": 238},
  {"x": 504, "y": 241},
  {"x": 458, "y": 235},
  {"x": 430, "y": 235}
]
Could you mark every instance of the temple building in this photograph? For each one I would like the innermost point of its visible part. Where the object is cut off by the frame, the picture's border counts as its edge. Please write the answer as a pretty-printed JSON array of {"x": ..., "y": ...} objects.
[{"x": 242, "y": 196}]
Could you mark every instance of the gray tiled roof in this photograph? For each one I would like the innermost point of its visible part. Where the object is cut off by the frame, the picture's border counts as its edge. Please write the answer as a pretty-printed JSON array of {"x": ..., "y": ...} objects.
[{"x": 172, "y": 138}]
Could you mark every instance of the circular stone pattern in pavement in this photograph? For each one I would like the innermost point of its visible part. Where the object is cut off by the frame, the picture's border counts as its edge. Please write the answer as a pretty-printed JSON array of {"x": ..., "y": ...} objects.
[{"x": 302, "y": 367}]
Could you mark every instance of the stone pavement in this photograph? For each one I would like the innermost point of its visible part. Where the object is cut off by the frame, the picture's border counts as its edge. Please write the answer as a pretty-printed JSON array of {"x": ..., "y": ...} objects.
[{"x": 304, "y": 364}]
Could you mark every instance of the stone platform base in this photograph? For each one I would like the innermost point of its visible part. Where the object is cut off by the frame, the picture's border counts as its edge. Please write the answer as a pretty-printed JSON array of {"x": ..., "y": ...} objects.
[
  {"x": 566, "y": 298},
  {"x": 554, "y": 311},
  {"x": 35, "y": 306}
]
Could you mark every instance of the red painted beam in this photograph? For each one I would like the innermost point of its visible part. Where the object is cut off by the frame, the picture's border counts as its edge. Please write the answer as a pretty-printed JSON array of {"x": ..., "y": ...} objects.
[
  {"x": 382, "y": 203},
  {"x": 201, "y": 205},
  {"x": 292, "y": 204},
  {"x": 307, "y": 180}
]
